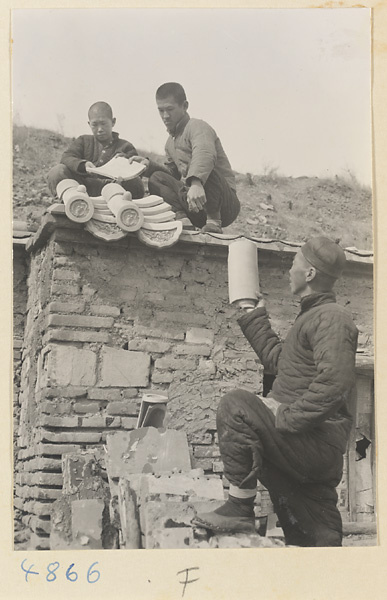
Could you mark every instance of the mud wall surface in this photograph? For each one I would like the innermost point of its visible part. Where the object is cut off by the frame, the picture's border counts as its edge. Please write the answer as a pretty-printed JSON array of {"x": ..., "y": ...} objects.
[{"x": 107, "y": 322}]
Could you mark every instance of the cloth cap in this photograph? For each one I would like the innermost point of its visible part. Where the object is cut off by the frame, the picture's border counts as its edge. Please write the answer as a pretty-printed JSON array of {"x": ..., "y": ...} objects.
[{"x": 325, "y": 255}]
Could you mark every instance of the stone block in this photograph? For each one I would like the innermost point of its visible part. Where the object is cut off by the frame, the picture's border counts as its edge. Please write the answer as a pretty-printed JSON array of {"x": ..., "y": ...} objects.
[
  {"x": 80, "y": 437},
  {"x": 207, "y": 366},
  {"x": 103, "y": 394},
  {"x": 123, "y": 408},
  {"x": 129, "y": 516},
  {"x": 62, "y": 422},
  {"x": 175, "y": 364},
  {"x": 200, "y": 438},
  {"x": 71, "y": 391},
  {"x": 61, "y": 536},
  {"x": 151, "y": 332},
  {"x": 151, "y": 346},
  {"x": 206, "y": 452},
  {"x": 79, "y": 321},
  {"x": 84, "y": 407},
  {"x": 122, "y": 368},
  {"x": 105, "y": 310},
  {"x": 94, "y": 421},
  {"x": 86, "y": 522},
  {"x": 199, "y": 335},
  {"x": 162, "y": 377},
  {"x": 147, "y": 450},
  {"x": 192, "y": 349},
  {"x": 64, "y": 289},
  {"x": 217, "y": 466},
  {"x": 55, "y": 449},
  {"x": 65, "y": 275},
  {"x": 71, "y": 335},
  {"x": 71, "y": 366}
]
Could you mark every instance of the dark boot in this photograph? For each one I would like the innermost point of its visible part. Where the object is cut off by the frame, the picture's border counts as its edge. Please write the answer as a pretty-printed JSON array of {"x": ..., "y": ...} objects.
[{"x": 235, "y": 516}]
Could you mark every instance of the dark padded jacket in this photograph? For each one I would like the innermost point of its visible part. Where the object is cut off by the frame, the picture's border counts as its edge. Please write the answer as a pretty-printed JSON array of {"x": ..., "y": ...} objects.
[
  {"x": 314, "y": 367},
  {"x": 87, "y": 148}
]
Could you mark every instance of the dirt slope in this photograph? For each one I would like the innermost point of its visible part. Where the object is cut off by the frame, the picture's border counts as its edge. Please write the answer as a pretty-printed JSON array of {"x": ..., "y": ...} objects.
[{"x": 272, "y": 206}]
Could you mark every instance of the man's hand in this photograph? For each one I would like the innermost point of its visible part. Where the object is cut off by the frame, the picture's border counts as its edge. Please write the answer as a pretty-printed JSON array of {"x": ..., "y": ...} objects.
[
  {"x": 119, "y": 155},
  {"x": 140, "y": 159},
  {"x": 271, "y": 404},
  {"x": 260, "y": 303},
  {"x": 89, "y": 165},
  {"x": 196, "y": 196}
]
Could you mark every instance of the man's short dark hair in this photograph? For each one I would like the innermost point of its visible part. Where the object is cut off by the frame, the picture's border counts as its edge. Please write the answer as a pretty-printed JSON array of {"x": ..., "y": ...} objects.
[
  {"x": 171, "y": 89},
  {"x": 102, "y": 107}
]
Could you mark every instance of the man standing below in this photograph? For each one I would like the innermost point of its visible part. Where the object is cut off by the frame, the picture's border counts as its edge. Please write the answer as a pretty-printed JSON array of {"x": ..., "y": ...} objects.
[
  {"x": 196, "y": 179},
  {"x": 293, "y": 440}
]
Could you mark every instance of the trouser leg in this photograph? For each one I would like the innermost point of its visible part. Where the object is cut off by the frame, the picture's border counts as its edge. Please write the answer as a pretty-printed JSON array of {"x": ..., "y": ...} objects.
[
  {"x": 222, "y": 202},
  {"x": 299, "y": 471}
]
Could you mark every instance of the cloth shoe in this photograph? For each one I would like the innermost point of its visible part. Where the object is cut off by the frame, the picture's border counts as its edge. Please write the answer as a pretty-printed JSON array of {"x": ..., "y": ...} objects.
[
  {"x": 235, "y": 516},
  {"x": 212, "y": 226}
]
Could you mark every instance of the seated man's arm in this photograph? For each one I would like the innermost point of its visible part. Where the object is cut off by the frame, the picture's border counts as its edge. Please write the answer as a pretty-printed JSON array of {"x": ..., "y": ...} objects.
[
  {"x": 168, "y": 166},
  {"x": 202, "y": 138},
  {"x": 127, "y": 150},
  {"x": 74, "y": 156},
  {"x": 265, "y": 342},
  {"x": 334, "y": 341}
]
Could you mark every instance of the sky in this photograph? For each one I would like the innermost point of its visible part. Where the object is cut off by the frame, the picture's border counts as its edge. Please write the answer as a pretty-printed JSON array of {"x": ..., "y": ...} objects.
[{"x": 284, "y": 89}]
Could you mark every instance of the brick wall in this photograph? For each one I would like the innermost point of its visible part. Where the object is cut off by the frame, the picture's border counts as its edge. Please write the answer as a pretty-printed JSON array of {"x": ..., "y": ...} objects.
[{"x": 108, "y": 321}]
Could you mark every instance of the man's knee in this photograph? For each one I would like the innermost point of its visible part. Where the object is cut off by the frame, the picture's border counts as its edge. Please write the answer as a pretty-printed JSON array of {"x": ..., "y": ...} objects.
[
  {"x": 135, "y": 187},
  {"x": 230, "y": 402},
  {"x": 160, "y": 179}
]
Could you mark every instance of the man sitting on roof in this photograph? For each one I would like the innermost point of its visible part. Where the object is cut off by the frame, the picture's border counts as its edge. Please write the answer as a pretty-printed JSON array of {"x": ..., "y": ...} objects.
[
  {"x": 89, "y": 151},
  {"x": 196, "y": 179},
  {"x": 293, "y": 440}
]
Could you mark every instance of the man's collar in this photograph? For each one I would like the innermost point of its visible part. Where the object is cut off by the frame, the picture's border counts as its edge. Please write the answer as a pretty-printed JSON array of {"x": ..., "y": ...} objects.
[
  {"x": 180, "y": 125},
  {"x": 316, "y": 299}
]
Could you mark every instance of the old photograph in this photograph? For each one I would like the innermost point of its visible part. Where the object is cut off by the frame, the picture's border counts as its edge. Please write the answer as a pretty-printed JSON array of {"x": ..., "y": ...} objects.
[{"x": 193, "y": 294}]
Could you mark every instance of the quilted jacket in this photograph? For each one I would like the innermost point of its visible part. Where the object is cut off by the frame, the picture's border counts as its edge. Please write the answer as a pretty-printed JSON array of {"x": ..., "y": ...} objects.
[
  {"x": 314, "y": 366},
  {"x": 87, "y": 148}
]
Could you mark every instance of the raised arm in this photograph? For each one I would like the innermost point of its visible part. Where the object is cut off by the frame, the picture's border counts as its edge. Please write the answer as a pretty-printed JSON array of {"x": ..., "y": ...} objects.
[{"x": 265, "y": 342}]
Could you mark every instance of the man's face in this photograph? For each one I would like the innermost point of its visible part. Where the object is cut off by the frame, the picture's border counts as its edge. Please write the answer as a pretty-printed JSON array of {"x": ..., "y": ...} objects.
[
  {"x": 101, "y": 126},
  {"x": 298, "y": 274},
  {"x": 171, "y": 112}
]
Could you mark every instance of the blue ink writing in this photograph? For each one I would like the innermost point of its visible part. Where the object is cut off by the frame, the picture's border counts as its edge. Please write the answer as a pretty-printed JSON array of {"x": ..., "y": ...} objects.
[
  {"x": 51, "y": 571},
  {"x": 29, "y": 570}
]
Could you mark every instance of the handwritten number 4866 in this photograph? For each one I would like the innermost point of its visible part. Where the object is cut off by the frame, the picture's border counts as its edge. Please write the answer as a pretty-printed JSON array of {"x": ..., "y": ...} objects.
[{"x": 92, "y": 575}]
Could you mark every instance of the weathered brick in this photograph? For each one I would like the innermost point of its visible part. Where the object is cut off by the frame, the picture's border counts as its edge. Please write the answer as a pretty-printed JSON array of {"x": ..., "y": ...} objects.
[
  {"x": 39, "y": 543},
  {"x": 127, "y": 294},
  {"x": 66, "y": 307},
  {"x": 103, "y": 394},
  {"x": 65, "y": 275},
  {"x": 39, "y": 478},
  {"x": 71, "y": 391},
  {"x": 55, "y": 449},
  {"x": 62, "y": 421},
  {"x": 199, "y": 335},
  {"x": 62, "y": 261},
  {"x": 38, "y": 493},
  {"x": 41, "y": 509},
  {"x": 82, "y": 437},
  {"x": 105, "y": 309},
  {"x": 150, "y": 346},
  {"x": 41, "y": 464},
  {"x": 169, "y": 334},
  {"x": 200, "y": 438},
  {"x": 175, "y": 364},
  {"x": 206, "y": 451},
  {"x": 68, "y": 365},
  {"x": 182, "y": 317},
  {"x": 54, "y": 407},
  {"x": 128, "y": 409},
  {"x": 163, "y": 377},
  {"x": 65, "y": 289},
  {"x": 203, "y": 463},
  {"x": 130, "y": 393},
  {"x": 84, "y": 407},
  {"x": 94, "y": 421},
  {"x": 129, "y": 422},
  {"x": 71, "y": 335},
  {"x": 124, "y": 368},
  {"x": 189, "y": 349},
  {"x": 79, "y": 321}
]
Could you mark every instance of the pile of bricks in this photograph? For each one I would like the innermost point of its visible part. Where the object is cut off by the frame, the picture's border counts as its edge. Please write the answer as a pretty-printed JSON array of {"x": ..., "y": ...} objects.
[{"x": 130, "y": 497}]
